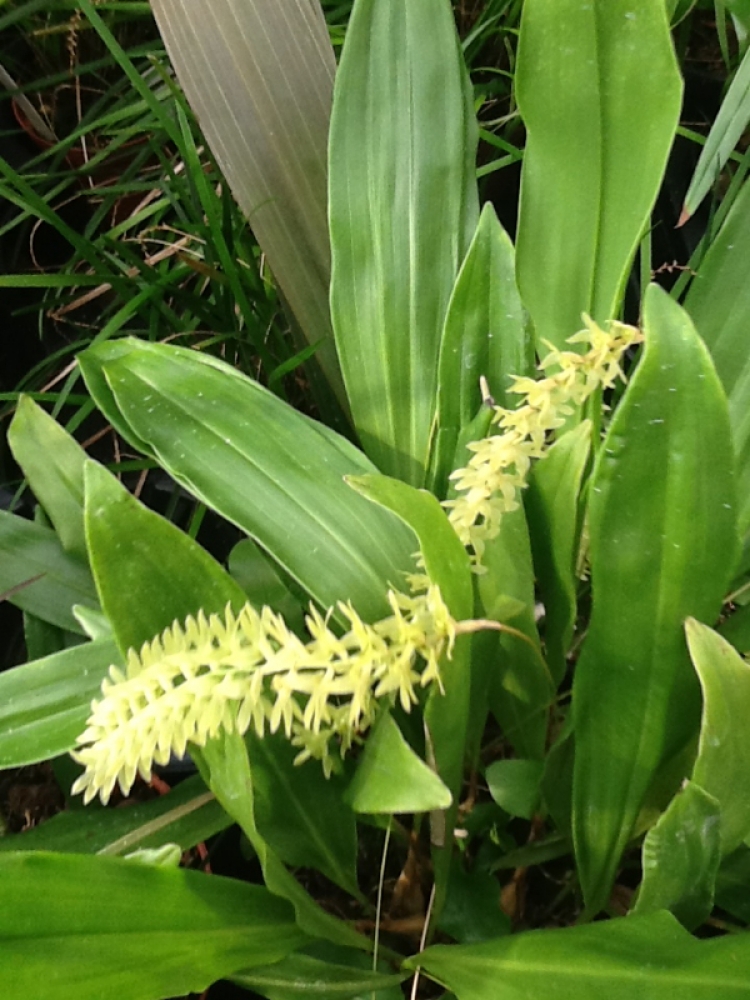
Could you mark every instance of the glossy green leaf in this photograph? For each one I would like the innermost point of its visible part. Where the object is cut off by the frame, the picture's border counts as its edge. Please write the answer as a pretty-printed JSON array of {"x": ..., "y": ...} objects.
[
  {"x": 726, "y": 131},
  {"x": 447, "y": 565},
  {"x": 722, "y": 767},
  {"x": 740, "y": 9},
  {"x": 638, "y": 958},
  {"x": 300, "y": 813},
  {"x": 260, "y": 580},
  {"x": 446, "y": 714},
  {"x": 520, "y": 688},
  {"x": 309, "y": 978},
  {"x": 514, "y": 785},
  {"x": 187, "y": 815},
  {"x": 681, "y": 856},
  {"x": 581, "y": 85},
  {"x": 101, "y": 918},
  {"x": 30, "y": 550},
  {"x": 662, "y": 547},
  {"x": 472, "y": 908},
  {"x": 271, "y": 471},
  {"x": 148, "y": 572},
  {"x": 445, "y": 559},
  {"x": 52, "y": 462},
  {"x": 718, "y": 303},
  {"x": 226, "y": 769},
  {"x": 391, "y": 778},
  {"x": 190, "y": 580},
  {"x": 260, "y": 78},
  {"x": 485, "y": 334},
  {"x": 44, "y": 704},
  {"x": 403, "y": 209},
  {"x": 552, "y": 504}
]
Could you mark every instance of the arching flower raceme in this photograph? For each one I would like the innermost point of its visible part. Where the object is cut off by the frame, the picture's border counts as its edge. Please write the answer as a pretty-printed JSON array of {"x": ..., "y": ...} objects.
[
  {"x": 489, "y": 486},
  {"x": 232, "y": 672}
]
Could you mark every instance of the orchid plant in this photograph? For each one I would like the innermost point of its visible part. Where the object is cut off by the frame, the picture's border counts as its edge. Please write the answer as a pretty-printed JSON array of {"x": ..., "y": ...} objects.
[{"x": 474, "y": 629}]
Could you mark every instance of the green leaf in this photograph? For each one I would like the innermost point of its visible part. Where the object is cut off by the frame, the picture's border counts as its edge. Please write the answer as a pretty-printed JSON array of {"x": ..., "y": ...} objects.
[
  {"x": 514, "y": 785},
  {"x": 258, "y": 577},
  {"x": 260, "y": 80},
  {"x": 391, "y": 778},
  {"x": 29, "y": 550},
  {"x": 472, "y": 908},
  {"x": 300, "y": 813},
  {"x": 580, "y": 85},
  {"x": 311, "y": 978},
  {"x": 726, "y": 131},
  {"x": 733, "y": 884},
  {"x": 552, "y": 504},
  {"x": 44, "y": 704},
  {"x": 640, "y": 958},
  {"x": 520, "y": 686},
  {"x": 101, "y": 918},
  {"x": 718, "y": 303},
  {"x": 446, "y": 714},
  {"x": 681, "y": 856},
  {"x": 148, "y": 572},
  {"x": 485, "y": 334},
  {"x": 723, "y": 765},
  {"x": 225, "y": 767},
  {"x": 662, "y": 545},
  {"x": 445, "y": 559},
  {"x": 403, "y": 209},
  {"x": 186, "y": 816},
  {"x": 271, "y": 471},
  {"x": 52, "y": 462},
  {"x": 740, "y": 9}
]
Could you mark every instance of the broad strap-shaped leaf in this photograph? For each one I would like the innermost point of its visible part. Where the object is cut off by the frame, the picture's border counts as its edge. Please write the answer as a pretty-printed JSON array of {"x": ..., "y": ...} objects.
[
  {"x": 553, "y": 511},
  {"x": 148, "y": 572},
  {"x": 391, "y": 778},
  {"x": 641, "y": 957},
  {"x": 56, "y": 579},
  {"x": 300, "y": 813},
  {"x": 662, "y": 547},
  {"x": 259, "y": 77},
  {"x": 186, "y": 816},
  {"x": 403, "y": 209},
  {"x": 514, "y": 784},
  {"x": 722, "y": 767},
  {"x": 271, "y": 471},
  {"x": 718, "y": 302},
  {"x": 100, "y": 919},
  {"x": 225, "y": 767},
  {"x": 485, "y": 334},
  {"x": 311, "y": 978},
  {"x": 446, "y": 715},
  {"x": 726, "y": 131},
  {"x": 681, "y": 856},
  {"x": 44, "y": 704},
  {"x": 599, "y": 92},
  {"x": 190, "y": 580},
  {"x": 520, "y": 687},
  {"x": 52, "y": 462}
]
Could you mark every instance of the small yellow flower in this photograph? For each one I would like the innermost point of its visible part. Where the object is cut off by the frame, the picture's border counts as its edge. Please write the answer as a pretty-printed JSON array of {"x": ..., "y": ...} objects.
[
  {"x": 489, "y": 486},
  {"x": 235, "y": 671}
]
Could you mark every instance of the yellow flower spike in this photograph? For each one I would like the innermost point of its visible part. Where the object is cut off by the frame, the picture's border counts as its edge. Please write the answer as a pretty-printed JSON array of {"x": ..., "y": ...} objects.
[
  {"x": 239, "y": 670},
  {"x": 489, "y": 486}
]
